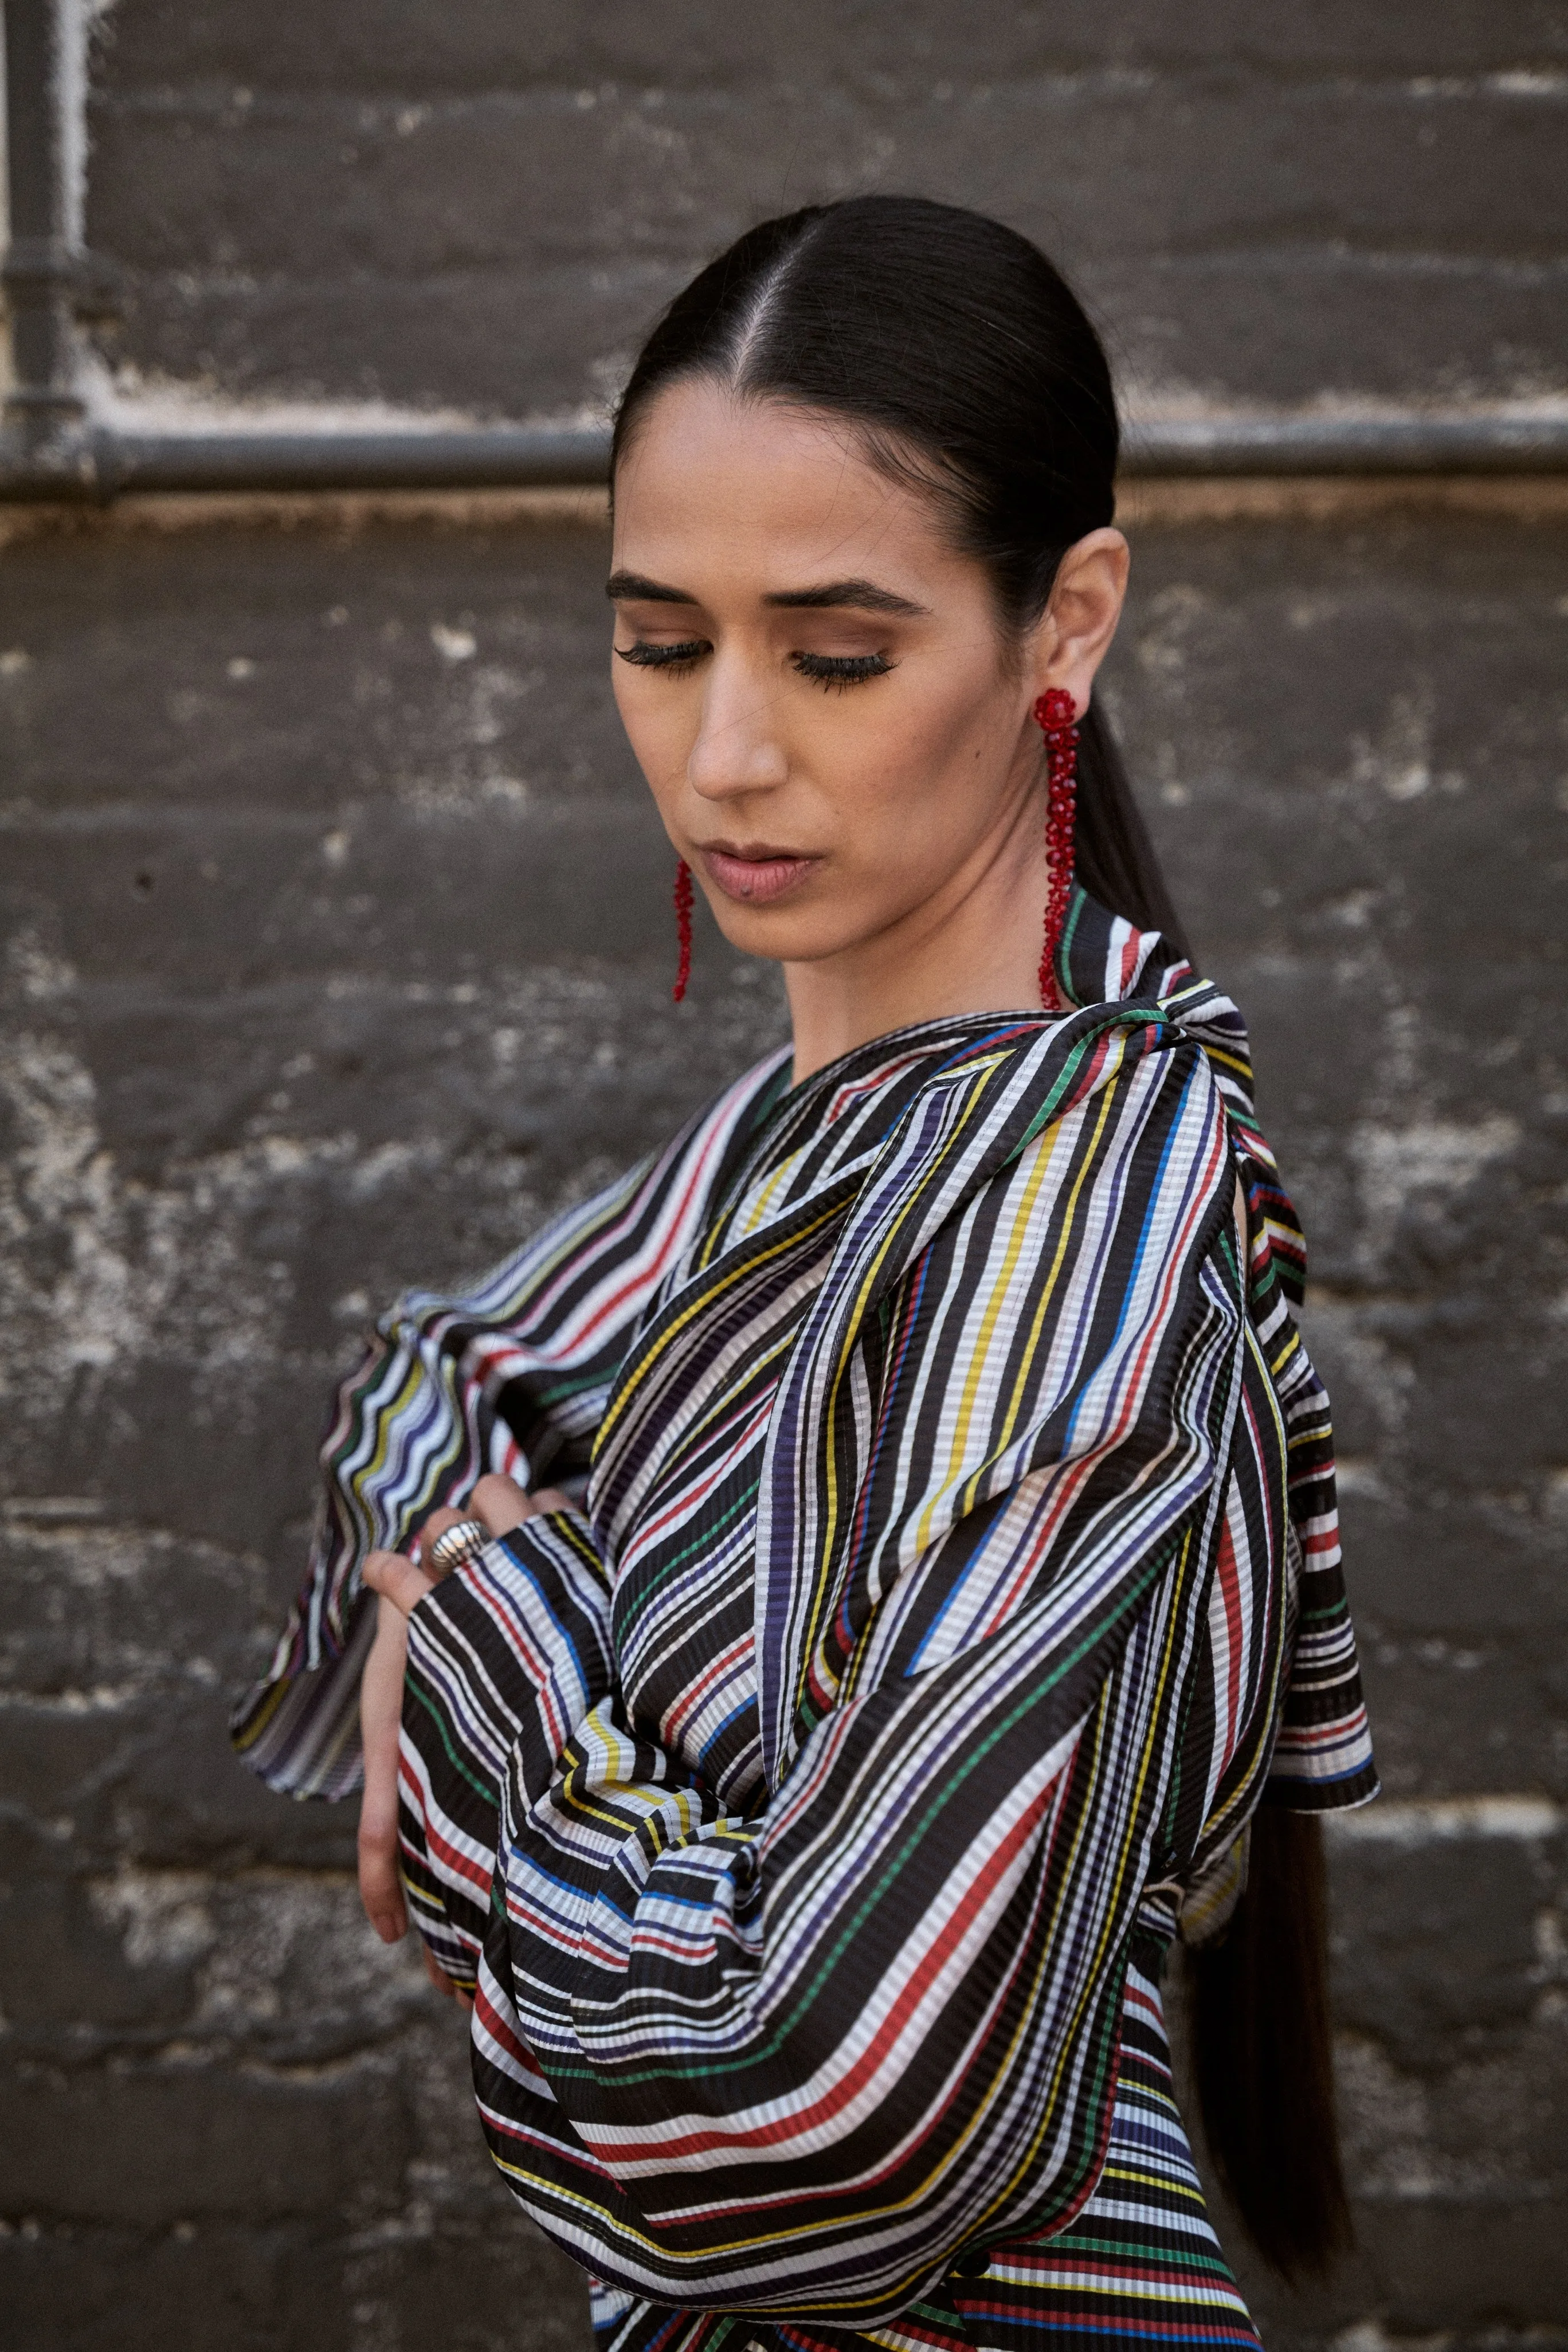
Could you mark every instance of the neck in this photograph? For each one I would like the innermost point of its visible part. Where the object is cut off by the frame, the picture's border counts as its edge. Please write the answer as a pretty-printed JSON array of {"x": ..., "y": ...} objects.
[{"x": 974, "y": 947}]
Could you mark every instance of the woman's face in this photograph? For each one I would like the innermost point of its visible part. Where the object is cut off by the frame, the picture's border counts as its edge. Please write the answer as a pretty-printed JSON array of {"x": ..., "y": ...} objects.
[{"x": 835, "y": 727}]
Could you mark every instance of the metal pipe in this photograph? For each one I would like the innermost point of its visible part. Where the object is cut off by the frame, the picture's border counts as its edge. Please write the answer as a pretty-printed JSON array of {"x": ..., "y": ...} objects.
[
  {"x": 50, "y": 448},
  {"x": 100, "y": 462},
  {"x": 1499, "y": 440},
  {"x": 42, "y": 267},
  {"x": 489, "y": 457}
]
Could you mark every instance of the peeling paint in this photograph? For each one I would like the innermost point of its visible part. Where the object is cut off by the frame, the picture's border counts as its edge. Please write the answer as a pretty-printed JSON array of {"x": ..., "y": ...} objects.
[
  {"x": 164, "y": 1918},
  {"x": 1437, "y": 1160},
  {"x": 96, "y": 1272},
  {"x": 1398, "y": 759},
  {"x": 452, "y": 645},
  {"x": 296, "y": 1947}
]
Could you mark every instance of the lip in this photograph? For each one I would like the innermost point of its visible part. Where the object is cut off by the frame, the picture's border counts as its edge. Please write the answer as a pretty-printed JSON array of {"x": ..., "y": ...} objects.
[{"x": 755, "y": 874}]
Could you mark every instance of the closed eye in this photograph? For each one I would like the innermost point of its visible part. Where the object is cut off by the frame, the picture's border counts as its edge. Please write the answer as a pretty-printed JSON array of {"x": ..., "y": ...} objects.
[
  {"x": 826, "y": 670},
  {"x": 829, "y": 670},
  {"x": 676, "y": 657}
]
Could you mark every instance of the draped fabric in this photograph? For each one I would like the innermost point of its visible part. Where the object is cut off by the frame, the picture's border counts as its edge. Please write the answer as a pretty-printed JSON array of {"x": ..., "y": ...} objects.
[
  {"x": 1140, "y": 2262},
  {"x": 956, "y": 1572}
]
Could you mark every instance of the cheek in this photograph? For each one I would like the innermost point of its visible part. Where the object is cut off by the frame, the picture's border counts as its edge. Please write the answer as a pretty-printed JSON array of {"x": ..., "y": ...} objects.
[
  {"x": 921, "y": 778},
  {"x": 660, "y": 721}
]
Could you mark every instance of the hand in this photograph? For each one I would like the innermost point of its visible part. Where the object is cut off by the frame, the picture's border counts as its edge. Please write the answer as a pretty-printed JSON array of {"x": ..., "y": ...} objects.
[{"x": 401, "y": 1584}]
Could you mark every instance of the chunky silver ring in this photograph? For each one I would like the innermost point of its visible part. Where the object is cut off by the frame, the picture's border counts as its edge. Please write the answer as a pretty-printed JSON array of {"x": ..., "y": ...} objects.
[{"x": 457, "y": 1544}]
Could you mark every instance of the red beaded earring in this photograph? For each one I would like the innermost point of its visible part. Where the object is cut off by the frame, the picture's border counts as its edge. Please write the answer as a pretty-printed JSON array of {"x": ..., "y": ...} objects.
[
  {"x": 682, "y": 927},
  {"x": 1056, "y": 715}
]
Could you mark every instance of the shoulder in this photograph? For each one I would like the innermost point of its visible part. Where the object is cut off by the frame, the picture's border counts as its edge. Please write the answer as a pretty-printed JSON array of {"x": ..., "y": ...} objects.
[
  {"x": 1104, "y": 958},
  {"x": 1111, "y": 1182},
  {"x": 1145, "y": 1124}
]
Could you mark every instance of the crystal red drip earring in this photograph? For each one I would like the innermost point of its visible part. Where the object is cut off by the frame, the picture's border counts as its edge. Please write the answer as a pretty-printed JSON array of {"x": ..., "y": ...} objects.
[
  {"x": 1056, "y": 715},
  {"x": 682, "y": 927}
]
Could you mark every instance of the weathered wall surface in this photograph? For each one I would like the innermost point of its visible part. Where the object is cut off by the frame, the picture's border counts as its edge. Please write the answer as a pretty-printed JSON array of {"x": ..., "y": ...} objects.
[
  {"x": 485, "y": 203},
  {"x": 337, "y": 953}
]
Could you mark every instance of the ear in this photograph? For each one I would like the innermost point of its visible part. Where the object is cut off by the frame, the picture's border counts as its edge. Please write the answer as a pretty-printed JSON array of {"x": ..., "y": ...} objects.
[{"x": 1073, "y": 635}]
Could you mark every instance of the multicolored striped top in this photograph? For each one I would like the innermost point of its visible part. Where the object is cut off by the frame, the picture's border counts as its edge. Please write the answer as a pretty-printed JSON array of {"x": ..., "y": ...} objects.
[{"x": 957, "y": 1568}]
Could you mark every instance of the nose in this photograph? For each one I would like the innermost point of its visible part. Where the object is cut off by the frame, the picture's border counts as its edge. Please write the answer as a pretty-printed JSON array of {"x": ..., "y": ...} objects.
[{"x": 738, "y": 749}]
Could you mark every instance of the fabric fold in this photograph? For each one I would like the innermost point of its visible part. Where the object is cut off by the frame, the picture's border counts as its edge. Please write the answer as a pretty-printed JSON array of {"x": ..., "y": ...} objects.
[{"x": 957, "y": 1572}]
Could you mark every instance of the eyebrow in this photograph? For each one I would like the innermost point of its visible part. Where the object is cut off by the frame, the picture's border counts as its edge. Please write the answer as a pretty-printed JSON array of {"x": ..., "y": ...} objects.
[
  {"x": 632, "y": 585},
  {"x": 864, "y": 596},
  {"x": 861, "y": 595}
]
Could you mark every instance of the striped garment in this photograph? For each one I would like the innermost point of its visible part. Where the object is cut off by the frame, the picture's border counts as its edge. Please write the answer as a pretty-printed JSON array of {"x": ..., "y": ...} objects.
[{"x": 957, "y": 1566}]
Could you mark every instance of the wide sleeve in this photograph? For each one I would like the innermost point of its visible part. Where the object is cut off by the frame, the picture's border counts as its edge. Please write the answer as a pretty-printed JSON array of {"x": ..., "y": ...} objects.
[
  {"x": 510, "y": 1376},
  {"x": 517, "y": 1655},
  {"x": 1321, "y": 1759},
  {"x": 791, "y": 2061}
]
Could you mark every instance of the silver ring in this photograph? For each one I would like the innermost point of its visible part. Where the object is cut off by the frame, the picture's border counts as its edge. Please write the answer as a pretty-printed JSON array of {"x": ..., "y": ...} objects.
[{"x": 457, "y": 1544}]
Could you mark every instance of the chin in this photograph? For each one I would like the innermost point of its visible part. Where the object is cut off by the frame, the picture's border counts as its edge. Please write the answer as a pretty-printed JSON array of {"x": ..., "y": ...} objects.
[{"x": 780, "y": 934}]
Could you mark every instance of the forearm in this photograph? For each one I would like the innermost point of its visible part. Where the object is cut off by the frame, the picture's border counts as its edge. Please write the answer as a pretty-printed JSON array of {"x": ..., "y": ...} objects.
[
  {"x": 504, "y": 1656},
  {"x": 810, "y": 2040}
]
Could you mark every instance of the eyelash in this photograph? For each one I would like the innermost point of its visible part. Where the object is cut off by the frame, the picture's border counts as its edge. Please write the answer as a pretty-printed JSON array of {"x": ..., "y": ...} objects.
[
  {"x": 829, "y": 670},
  {"x": 826, "y": 670}
]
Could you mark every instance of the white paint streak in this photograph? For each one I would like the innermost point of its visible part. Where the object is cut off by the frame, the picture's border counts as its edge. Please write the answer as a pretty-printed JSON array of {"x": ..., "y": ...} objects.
[
  {"x": 1527, "y": 82},
  {"x": 134, "y": 403},
  {"x": 1411, "y": 1822}
]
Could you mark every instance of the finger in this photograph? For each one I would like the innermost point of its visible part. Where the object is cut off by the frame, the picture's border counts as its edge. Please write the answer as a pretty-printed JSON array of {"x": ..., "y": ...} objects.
[
  {"x": 396, "y": 1579},
  {"x": 550, "y": 1498},
  {"x": 444, "y": 1984},
  {"x": 381, "y": 1705},
  {"x": 380, "y": 1884},
  {"x": 437, "y": 1973},
  {"x": 500, "y": 1503},
  {"x": 434, "y": 1526}
]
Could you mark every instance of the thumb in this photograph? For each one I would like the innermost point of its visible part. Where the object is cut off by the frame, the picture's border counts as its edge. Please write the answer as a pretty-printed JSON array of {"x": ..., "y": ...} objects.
[{"x": 396, "y": 1579}]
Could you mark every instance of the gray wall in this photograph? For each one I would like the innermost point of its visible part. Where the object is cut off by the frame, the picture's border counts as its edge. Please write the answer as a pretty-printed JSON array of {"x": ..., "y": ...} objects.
[
  {"x": 338, "y": 953},
  {"x": 483, "y": 202}
]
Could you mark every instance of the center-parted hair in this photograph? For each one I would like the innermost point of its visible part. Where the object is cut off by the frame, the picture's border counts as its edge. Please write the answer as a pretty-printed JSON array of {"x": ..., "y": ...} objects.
[{"x": 967, "y": 367}]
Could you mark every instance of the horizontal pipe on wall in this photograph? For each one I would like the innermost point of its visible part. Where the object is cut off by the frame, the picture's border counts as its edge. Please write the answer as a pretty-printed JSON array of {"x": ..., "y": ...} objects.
[
  {"x": 1481, "y": 441},
  {"x": 104, "y": 462},
  {"x": 100, "y": 463}
]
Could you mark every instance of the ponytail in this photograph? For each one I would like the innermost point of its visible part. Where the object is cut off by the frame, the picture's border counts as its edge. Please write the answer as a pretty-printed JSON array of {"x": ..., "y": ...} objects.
[
  {"x": 1113, "y": 854},
  {"x": 1263, "y": 2052}
]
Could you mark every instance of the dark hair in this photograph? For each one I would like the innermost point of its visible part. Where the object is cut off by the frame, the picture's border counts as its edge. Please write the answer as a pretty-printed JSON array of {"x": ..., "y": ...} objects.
[
  {"x": 1263, "y": 2052},
  {"x": 968, "y": 366}
]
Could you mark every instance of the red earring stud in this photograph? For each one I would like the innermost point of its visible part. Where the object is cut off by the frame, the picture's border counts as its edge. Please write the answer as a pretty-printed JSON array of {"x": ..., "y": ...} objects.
[
  {"x": 1056, "y": 715},
  {"x": 682, "y": 927}
]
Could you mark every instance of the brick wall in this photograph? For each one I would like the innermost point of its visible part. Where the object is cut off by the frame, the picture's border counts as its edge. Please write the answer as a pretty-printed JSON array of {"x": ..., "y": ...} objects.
[{"x": 337, "y": 954}]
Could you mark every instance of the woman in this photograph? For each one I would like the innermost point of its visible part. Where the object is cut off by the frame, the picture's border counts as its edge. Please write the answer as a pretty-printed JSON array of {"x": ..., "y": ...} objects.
[{"x": 805, "y": 1803}]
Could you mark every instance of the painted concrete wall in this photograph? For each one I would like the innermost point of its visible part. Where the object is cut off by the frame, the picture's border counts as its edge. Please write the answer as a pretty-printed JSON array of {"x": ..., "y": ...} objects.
[
  {"x": 483, "y": 202},
  {"x": 337, "y": 954}
]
